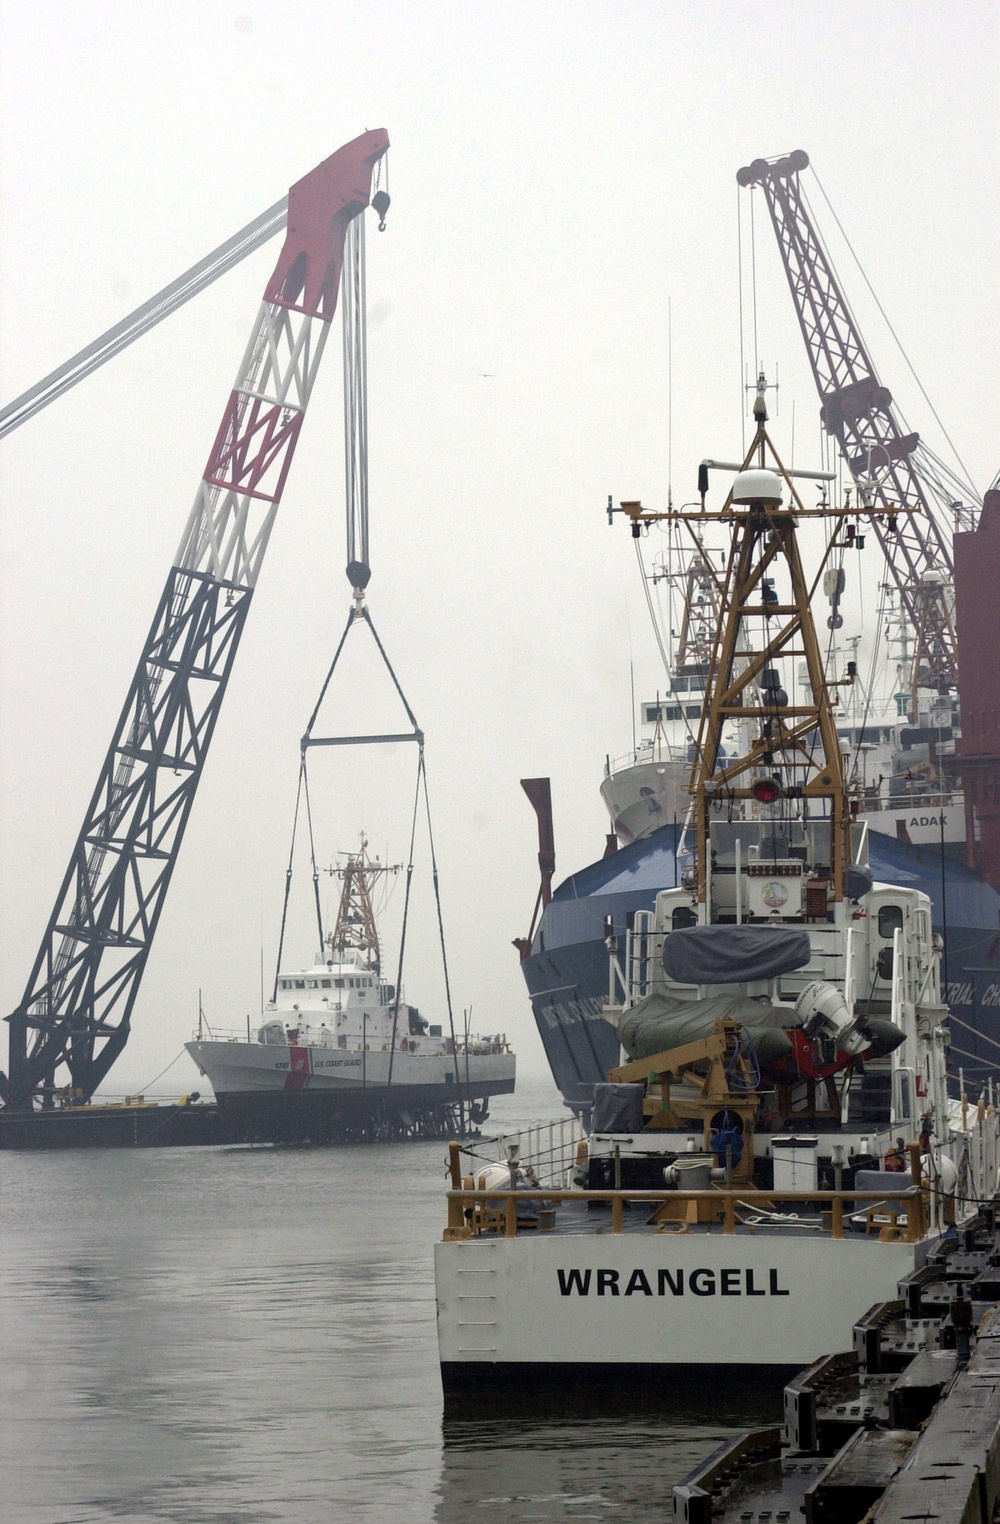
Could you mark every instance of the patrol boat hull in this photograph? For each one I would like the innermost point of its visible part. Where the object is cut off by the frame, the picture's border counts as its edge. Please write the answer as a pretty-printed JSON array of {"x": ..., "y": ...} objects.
[{"x": 280, "y": 1093}]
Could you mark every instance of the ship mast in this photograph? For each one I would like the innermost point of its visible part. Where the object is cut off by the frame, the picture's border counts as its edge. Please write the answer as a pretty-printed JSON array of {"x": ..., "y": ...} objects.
[
  {"x": 356, "y": 926},
  {"x": 699, "y": 612},
  {"x": 790, "y": 763}
]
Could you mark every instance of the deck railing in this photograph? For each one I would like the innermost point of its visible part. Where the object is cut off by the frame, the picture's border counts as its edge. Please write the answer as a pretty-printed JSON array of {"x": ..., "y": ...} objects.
[
  {"x": 548, "y": 1150},
  {"x": 474, "y": 1212},
  {"x": 491, "y": 1043}
]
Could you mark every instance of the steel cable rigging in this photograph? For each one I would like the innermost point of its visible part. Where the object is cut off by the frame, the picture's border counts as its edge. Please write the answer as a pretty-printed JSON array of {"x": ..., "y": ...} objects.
[{"x": 358, "y": 571}]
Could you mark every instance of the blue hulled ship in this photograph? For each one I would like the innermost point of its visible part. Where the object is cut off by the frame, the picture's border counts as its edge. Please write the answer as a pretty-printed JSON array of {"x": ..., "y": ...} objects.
[{"x": 566, "y": 968}]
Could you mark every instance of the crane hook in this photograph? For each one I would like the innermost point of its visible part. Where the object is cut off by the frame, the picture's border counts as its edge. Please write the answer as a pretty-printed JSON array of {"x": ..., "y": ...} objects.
[{"x": 380, "y": 205}]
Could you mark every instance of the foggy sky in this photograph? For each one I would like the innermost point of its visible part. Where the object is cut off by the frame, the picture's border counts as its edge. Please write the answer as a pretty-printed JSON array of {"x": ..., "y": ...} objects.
[{"x": 558, "y": 173}]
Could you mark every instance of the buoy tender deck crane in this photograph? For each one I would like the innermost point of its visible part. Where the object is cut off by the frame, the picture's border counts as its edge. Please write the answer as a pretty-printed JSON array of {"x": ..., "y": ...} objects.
[{"x": 76, "y": 1009}]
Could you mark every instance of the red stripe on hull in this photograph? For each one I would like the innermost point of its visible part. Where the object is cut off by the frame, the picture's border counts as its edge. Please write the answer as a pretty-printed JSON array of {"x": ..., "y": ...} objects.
[{"x": 299, "y": 1069}]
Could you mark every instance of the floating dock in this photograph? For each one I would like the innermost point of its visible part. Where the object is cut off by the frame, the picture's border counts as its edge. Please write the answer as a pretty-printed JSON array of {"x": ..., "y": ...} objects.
[
  {"x": 130, "y": 1124},
  {"x": 140, "y": 1123},
  {"x": 904, "y": 1427}
]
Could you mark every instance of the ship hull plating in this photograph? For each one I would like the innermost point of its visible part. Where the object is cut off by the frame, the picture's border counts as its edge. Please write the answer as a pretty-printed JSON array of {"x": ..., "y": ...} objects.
[
  {"x": 673, "y": 1311},
  {"x": 580, "y": 1387}
]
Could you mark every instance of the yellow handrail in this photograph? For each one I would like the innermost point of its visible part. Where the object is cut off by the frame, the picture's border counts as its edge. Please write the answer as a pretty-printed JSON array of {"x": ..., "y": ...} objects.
[{"x": 466, "y": 1203}]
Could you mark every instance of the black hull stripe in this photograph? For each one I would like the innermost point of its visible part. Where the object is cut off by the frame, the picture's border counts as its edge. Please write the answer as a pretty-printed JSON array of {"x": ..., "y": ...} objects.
[{"x": 482, "y": 1387}]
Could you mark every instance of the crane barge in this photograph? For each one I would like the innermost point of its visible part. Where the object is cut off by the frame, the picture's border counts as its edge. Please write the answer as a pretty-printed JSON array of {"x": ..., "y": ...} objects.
[{"x": 74, "y": 1017}]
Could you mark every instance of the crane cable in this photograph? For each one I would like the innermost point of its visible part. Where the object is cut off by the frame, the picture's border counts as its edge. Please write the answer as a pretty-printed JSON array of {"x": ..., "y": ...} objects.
[
  {"x": 312, "y": 856},
  {"x": 444, "y": 953},
  {"x": 355, "y": 347},
  {"x": 406, "y": 914},
  {"x": 288, "y": 881},
  {"x": 421, "y": 784},
  {"x": 145, "y": 317}
]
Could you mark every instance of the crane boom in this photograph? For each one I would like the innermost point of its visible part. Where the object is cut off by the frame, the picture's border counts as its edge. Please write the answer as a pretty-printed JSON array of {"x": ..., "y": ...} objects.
[
  {"x": 145, "y": 317},
  {"x": 888, "y": 464},
  {"x": 77, "y": 1004}
]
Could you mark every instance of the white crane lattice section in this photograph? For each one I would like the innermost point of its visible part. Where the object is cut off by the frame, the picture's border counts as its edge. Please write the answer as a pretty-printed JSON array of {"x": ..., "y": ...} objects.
[{"x": 230, "y": 523}]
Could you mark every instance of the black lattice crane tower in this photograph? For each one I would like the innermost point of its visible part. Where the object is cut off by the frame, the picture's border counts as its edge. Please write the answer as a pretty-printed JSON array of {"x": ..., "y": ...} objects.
[
  {"x": 73, "y": 1019},
  {"x": 889, "y": 465}
]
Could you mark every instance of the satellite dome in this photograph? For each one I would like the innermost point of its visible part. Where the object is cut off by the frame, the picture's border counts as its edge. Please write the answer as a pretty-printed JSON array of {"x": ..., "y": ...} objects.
[{"x": 757, "y": 487}]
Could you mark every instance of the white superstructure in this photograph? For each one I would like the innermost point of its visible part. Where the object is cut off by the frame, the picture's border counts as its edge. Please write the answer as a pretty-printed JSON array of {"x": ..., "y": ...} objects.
[{"x": 331, "y": 1027}]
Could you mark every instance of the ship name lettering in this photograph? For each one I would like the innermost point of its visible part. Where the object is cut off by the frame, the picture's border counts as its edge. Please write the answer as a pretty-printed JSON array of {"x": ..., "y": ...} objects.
[{"x": 731, "y": 1281}]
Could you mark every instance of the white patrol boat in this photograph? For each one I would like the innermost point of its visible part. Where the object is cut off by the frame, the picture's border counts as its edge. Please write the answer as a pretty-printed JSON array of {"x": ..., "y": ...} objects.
[
  {"x": 778, "y": 1150},
  {"x": 339, "y": 1053}
]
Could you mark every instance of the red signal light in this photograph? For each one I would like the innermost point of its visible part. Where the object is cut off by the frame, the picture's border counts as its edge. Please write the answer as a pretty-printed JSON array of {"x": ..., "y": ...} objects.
[{"x": 767, "y": 790}]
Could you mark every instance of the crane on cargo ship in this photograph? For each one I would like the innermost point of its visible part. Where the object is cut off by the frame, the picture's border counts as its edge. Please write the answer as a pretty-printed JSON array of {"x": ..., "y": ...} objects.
[
  {"x": 75, "y": 1013},
  {"x": 888, "y": 462}
]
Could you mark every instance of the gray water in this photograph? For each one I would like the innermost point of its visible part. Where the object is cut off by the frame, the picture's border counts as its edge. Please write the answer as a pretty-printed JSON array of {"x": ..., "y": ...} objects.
[{"x": 240, "y": 1334}]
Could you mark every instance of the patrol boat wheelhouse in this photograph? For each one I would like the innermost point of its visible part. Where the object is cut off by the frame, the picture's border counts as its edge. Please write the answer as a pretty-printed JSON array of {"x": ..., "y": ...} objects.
[
  {"x": 339, "y": 1053},
  {"x": 742, "y": 1201}
]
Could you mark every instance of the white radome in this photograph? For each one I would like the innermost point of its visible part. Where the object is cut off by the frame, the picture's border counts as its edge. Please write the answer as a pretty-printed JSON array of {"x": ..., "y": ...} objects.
[{"x": 757, "y": 487}]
